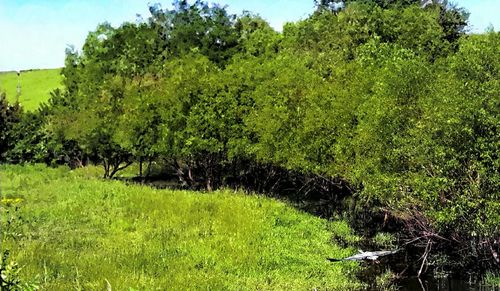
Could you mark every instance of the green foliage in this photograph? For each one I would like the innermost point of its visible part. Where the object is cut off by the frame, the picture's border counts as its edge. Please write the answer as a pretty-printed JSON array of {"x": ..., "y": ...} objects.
[
  {"x": 343, "y": 232},
  {"x": 155, "y": 238},
  {"x": 452, "y": 19},
  {"x": 385, "y": 281},
  {"x": 31, "y": 142},
  {"x": 340, "y": 34},
  {"x": 492, "y": 279},
  {"x": 385, "y": 240},
  {"x": 10, "y": 275},
  {"x": 12, "y": 226},
  {"x": 257, "y": 37},
  {"x": 209, "y": 28},
  {"x": 9, "y": 117}
]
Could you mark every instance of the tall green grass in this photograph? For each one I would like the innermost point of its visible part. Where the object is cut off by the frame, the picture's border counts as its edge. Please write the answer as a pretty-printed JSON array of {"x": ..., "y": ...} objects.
[
  {"x": 36, "y": 86},
  {"x": 81, "y": 232}
]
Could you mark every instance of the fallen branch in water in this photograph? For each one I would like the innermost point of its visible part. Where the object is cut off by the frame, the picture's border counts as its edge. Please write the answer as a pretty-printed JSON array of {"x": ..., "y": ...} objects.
[{"x": 424, "y": 257}]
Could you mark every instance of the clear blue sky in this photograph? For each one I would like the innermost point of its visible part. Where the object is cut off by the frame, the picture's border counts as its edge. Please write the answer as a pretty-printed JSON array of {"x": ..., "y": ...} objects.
[{"x": 35, "y": 33}]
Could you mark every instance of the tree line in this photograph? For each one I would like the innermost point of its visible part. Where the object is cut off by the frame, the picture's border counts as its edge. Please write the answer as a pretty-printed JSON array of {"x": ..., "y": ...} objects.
[{"x": 389, "y": 101}]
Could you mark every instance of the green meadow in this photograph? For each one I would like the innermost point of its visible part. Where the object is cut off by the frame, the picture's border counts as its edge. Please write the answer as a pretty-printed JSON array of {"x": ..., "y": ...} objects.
[
  {"x": 71, "y": 230},
  {"x": 36, "y": 86}
]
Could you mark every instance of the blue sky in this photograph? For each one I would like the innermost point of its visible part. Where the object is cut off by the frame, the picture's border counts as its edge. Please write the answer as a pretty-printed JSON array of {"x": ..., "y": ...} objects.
[{"x": 35, "y": 33}]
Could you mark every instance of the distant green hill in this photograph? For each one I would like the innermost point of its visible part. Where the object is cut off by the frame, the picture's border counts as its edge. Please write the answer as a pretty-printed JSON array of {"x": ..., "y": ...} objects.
[{"x": 36, "y": 86}]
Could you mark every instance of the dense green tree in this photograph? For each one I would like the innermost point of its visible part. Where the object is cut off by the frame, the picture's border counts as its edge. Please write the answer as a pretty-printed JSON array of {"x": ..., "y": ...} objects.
[
  {"x": 256, "y": 36},
  {"x": 336, "y": 37},
  {"x": 10, "y": 114},
  {"x": 451, "y": 19},
  {"x": 210, "y": 29},
  {"x": 140, "y": 123},
  {"x": 93, "y": 123},
  {"x": 461, "y": 130}
]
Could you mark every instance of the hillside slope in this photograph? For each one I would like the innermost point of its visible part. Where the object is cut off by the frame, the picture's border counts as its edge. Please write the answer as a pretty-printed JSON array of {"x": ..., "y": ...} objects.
[
  {"x": 75, "y": 231},
  {"x": 36, "y": 86}
]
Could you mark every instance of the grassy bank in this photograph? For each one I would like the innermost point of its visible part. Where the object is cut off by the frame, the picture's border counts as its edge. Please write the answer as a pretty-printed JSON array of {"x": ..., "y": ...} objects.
[
  {"x": 78, "y": 231},
  {"x": 36, "y": 86}
]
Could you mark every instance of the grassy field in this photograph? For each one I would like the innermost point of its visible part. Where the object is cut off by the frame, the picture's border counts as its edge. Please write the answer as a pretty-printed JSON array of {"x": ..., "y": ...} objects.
[
  {"x": 35, "y": 86},
  {"x": 74, "y": 231}
]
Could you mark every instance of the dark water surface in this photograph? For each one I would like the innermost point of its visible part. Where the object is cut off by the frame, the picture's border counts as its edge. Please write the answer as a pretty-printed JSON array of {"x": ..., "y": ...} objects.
[{"x": 445, "y": 284}]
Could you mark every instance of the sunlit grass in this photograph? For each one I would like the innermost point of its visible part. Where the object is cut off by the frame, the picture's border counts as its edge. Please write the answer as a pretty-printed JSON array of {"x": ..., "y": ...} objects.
[{"x": 82, "y": 232}]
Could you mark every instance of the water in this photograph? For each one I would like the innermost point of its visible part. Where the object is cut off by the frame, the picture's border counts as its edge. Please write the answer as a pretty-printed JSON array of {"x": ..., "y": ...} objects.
[
  {"x": 408, "y": 281},
  {"x": 444, "y": 284}
]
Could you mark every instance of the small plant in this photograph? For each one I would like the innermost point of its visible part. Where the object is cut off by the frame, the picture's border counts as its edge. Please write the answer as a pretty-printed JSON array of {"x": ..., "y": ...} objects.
[
  {"x": 11, "y": 201},
  {"x": 9, "y": 275},
  {"x": 342, "y": 232},
  {"x": 12, "y": 228},
  {"x": 385, "y": 240},
  {"x": 440, "y": 261},
  {"x": 385, "y": 281},
  {"x": 492, "y": 279}
]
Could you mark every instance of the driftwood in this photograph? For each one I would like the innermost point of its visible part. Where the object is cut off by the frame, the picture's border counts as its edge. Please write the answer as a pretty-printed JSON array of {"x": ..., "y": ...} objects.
[{"x": 428, "y": 248}]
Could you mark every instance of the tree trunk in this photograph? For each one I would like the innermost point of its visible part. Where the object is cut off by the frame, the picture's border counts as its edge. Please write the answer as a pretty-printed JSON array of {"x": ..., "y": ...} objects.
[
  {"x": 209, "y": 184},
  {"x": 106, "y": 169},
  {"x": 116, "y": 168},
  {"x": 148, "y": 171},
  {"x": 140, "y": 167}
]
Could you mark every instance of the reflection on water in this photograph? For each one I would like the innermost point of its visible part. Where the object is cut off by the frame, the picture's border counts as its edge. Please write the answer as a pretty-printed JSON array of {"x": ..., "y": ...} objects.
[{"x": 445, "y": 284}]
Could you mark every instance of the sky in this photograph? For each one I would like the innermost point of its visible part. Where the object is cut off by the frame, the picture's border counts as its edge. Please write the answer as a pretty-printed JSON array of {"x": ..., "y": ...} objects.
[{"x": 35, "y": 33}]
